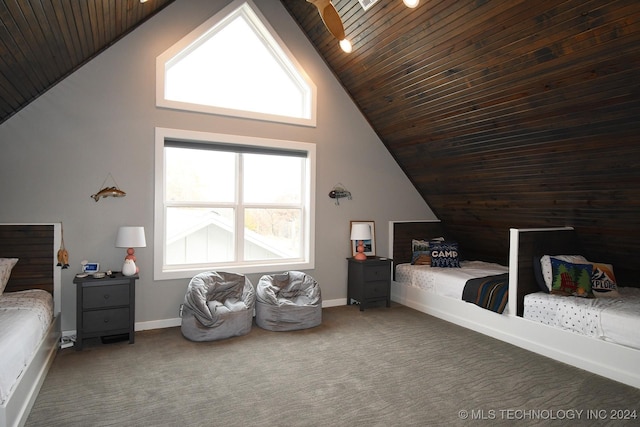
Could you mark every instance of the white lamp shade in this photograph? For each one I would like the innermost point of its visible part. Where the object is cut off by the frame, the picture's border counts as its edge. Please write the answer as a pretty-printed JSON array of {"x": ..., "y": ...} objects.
[
  {"x": 360, "y": 232},
  {"x": 131, "y": 237}
]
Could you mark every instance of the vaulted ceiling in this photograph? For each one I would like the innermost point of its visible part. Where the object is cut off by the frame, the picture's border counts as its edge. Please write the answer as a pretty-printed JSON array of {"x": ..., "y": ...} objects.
[
  {"x": 43, "y": 41},
  {"x": 503, "y": 114}
]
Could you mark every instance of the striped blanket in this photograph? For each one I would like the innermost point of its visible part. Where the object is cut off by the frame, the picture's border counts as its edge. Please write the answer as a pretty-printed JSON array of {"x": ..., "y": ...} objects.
[{"x": 490, "y": 292}]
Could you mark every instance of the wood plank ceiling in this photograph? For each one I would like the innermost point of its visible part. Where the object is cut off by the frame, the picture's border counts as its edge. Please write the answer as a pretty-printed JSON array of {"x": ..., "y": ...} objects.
[
  {"x": 43, "y": 41},
  {"x": 503, "y": 113}
]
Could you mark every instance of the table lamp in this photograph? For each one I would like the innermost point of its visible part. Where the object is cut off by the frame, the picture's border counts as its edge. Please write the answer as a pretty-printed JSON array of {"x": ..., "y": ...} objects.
[
  {"x": 130, "y": 237},
  {"x": 360, "y": 232}
]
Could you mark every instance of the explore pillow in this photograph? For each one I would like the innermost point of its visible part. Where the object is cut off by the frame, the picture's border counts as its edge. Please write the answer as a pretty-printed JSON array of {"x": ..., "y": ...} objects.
[{"x": 603, "y": 282}]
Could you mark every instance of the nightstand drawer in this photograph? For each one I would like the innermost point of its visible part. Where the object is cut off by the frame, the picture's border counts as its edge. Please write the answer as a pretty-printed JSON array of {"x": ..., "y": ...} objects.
[
  {"x": 376, "y": 289},
  {"x": 105, "y": 320},
  {"x": 105, "y": 296},
  {"x": 374, "y": 273}
]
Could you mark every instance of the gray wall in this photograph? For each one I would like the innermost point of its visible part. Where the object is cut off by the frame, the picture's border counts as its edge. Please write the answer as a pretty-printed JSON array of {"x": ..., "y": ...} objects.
[{"x": 57, "y": 152}]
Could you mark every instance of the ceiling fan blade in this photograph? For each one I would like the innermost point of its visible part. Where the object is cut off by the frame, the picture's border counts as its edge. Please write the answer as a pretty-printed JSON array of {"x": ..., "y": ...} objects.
[{"x": 330, "y": 17}]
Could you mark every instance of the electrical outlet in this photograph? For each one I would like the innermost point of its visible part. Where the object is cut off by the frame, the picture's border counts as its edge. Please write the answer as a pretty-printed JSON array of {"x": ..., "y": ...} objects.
[{"x": 67, "y": 341}]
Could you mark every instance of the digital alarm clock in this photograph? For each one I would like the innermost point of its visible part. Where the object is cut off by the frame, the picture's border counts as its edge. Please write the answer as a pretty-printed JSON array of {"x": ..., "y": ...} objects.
[{"x": 91, "y": 267}]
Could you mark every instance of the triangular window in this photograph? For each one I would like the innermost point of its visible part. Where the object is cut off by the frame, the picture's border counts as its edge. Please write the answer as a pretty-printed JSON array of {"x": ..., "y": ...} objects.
[{"x": 234, "y": 64}]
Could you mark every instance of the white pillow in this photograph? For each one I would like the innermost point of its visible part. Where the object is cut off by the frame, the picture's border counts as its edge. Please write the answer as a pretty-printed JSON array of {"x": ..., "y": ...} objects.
[
  {"x": 6, "y": 265},
  {"x": 423, "y": 244},
  {"x": 545, "y": 264}
]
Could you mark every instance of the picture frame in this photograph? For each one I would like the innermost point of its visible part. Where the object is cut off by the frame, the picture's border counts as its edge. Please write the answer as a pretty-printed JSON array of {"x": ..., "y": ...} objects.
[{"x": 369, "y": 245}]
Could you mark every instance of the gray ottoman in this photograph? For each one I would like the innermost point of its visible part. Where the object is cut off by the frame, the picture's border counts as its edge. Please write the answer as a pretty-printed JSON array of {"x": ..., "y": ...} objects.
[
  {"x": 288, "y": 301},
  {"x": 217, "y": 305}
]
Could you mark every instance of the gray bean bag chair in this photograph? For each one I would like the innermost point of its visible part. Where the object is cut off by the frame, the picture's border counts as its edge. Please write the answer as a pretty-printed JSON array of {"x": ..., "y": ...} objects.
[
  {"x": 288, "y": 301},
  {"x": 217, "y": 305}
]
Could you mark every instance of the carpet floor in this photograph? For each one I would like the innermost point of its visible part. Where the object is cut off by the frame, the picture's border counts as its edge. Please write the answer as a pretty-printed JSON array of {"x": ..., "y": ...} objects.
[{"x": 381, "y": 367}]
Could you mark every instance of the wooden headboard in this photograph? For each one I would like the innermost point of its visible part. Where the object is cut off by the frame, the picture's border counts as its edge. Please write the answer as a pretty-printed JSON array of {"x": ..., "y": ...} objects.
[
  {"x": 532, "y": 244},
  {"x": 402, "y": 232},
  {"x": 525, "y": 245},
  {"x": 33, "y": 245}
]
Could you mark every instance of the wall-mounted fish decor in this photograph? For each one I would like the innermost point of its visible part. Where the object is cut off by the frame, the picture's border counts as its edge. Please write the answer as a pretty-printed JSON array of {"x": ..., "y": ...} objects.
[
  {"x": 112, "y": 191},
  {"x": 339, "y": 192},
  {"x": 108, "y": 192}
]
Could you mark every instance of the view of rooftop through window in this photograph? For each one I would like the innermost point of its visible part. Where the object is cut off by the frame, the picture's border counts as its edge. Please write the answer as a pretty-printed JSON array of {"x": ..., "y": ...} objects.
[{"x": 228, "y": 206}]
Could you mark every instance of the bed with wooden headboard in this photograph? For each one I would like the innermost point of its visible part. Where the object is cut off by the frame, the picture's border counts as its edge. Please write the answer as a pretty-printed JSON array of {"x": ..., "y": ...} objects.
[
  {"x": 419, "y": 245},
  {"x": 35, "y": 277},
  {"x": 403, "y": 232},
  {"x": 524, "y": 245}
]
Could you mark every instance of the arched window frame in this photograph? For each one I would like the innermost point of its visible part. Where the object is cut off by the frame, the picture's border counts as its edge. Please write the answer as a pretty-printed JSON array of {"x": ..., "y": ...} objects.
[{"x": 272, "y": 41}]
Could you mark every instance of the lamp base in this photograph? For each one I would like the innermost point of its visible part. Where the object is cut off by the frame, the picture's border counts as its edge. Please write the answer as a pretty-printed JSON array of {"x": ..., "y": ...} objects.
[
  {"x": 360, "y": 256},
  {"x": 129, "y": 267}
]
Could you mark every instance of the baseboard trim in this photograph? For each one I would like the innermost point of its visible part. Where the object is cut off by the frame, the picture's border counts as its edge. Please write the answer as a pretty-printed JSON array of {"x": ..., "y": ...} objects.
[
  {"x": 172, "y": 323},
  {"x": 158, "y": 324},
  {"x": 334, "y": 302}
]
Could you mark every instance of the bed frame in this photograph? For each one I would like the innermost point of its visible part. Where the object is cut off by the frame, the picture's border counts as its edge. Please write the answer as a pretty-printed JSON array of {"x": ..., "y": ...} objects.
[
  {"x": 610, "y": 360},
  {"x": 36, "y": 246}
]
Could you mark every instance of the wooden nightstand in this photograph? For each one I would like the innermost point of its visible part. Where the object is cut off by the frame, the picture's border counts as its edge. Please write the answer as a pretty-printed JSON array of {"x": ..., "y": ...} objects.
[
  {"x": 105, "y": 307},
  {"x": 369, "y": 281}
]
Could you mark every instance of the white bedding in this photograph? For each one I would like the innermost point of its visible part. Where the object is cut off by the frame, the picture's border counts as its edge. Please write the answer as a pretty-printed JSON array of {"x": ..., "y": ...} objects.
[
  {"x": 615, "y": 320},
  {"x": 24, "y": 319},
  {"x": 447, "y": 282}
]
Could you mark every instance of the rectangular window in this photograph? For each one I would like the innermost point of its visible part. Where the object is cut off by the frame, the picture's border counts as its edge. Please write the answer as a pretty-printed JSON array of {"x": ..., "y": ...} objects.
[{"x": 227, "y": 202}]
